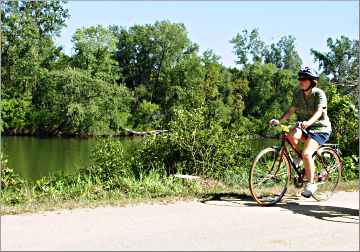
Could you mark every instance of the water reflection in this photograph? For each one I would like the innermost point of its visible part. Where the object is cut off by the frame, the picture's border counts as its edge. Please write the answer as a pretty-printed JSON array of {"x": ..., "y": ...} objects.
[{"x": 35, "y": 157}]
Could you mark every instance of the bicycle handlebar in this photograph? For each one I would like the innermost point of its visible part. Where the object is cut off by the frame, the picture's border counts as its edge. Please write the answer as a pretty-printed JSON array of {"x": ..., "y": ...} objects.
[{"x": 286, "y": 128}]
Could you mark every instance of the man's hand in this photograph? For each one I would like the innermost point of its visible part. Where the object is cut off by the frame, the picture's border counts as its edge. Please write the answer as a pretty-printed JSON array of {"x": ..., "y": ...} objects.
[
  {"x": 305, "y": 124},
  {"x": 273, "y": 122}
]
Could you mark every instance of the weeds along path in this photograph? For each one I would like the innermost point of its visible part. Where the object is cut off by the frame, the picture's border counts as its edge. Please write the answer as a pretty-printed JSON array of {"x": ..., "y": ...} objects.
[{"x": 217, "y": 222}]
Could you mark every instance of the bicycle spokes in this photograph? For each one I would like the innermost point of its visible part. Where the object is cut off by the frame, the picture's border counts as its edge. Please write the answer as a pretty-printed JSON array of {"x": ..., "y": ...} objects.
[
  {"x": 268, "y": 177},
  {"x": 327, "y": 173}
]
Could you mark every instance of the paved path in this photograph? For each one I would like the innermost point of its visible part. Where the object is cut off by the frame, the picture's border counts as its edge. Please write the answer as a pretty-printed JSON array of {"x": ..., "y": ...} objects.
[{"x": 224, "y": 222}]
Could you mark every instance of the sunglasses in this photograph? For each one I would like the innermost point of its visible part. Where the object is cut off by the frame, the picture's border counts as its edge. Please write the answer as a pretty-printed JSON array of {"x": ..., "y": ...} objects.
[{"x": 302, "y": 78}]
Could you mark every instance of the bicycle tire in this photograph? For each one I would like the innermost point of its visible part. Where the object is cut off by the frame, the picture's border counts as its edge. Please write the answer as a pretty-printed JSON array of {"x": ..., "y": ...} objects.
[
  {"x": 328, "y": 170},
  {"x": 275, "y": 191}
]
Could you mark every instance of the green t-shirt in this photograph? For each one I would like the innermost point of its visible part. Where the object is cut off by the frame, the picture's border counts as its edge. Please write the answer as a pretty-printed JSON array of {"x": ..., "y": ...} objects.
[{"x": 306, "y": 106}]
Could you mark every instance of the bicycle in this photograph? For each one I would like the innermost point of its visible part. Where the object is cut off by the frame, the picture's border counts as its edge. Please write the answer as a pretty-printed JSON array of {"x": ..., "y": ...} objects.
[{"x": 274, "y": 167}]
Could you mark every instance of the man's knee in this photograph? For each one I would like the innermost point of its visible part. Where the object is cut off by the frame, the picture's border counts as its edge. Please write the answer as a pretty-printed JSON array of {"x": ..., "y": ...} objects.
[
  {"x": 307, "y": 154},
  {"x": 295, "y": 134}
]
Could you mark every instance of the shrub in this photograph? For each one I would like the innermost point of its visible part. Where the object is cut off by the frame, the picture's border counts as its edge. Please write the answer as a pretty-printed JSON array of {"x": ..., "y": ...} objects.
[
  {"x": 194, "y": 145},
  {"x": 11, "y": 185},
  {"x": 108, "y": 161},
  {"x": 9, "y": 179},
  {"x": 351, "y": 167}
]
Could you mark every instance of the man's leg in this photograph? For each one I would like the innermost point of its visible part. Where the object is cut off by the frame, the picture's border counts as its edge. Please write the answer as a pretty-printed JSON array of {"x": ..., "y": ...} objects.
[
  {"x": 294, "y": 137},
  {"x": 310, "y": 147}
]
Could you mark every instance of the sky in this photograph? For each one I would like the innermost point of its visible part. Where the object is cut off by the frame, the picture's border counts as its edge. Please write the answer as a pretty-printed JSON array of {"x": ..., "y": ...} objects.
[{"x": 212, "y": 24}]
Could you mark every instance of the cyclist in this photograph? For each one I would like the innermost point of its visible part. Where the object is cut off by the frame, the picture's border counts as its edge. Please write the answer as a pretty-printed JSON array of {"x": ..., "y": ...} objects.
[{"x": 310, "y": 105}]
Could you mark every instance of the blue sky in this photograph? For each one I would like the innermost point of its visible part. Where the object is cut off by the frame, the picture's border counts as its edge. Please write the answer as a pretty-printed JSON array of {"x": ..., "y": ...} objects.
[{"x": 212, "y": 24}]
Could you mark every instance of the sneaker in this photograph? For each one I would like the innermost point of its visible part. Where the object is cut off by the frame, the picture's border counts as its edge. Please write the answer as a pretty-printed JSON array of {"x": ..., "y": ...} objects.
[{"x": 309, "y": 190}]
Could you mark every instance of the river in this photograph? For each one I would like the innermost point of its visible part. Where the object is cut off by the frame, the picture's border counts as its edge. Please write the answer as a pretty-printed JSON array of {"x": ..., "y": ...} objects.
[{"x": 34, "y": 157}]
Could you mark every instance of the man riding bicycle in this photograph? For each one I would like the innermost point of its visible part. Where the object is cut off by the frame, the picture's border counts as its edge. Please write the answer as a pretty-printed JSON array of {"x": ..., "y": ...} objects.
[{"x": 310, "y": 105}]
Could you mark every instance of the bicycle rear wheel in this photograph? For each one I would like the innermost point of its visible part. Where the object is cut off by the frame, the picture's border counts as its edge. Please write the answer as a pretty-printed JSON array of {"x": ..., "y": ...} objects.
[
  {"x": 269, "y": 177},
  {"x": 328, "y": 169}
]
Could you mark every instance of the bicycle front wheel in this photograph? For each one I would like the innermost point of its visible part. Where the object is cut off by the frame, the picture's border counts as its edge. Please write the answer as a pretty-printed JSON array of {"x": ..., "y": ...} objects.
[
  {"x": 328, "y": 169},
  {"x": 269, "y": 177}
]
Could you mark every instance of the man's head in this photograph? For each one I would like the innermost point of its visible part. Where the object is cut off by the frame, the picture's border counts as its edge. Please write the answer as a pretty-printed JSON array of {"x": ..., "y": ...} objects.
[{"x": 307, "y": 78}]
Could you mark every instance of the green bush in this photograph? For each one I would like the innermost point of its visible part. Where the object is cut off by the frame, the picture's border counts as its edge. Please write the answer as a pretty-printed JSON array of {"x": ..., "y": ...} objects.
[
  {"x": 108, "y": 160},
  {"x": 343, "y": 114},
  {"x": 12, "y": 185},
  {"x": 9, "y": 179},
  {"x": 194, "y": 145},
  {"x": 351, "y": 167}
]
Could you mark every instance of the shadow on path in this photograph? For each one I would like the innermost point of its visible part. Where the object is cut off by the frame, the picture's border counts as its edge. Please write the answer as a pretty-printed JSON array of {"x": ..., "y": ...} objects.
[
  {"x": 228, "y": 199},
  {"x": 293, "y": 204},
  {"x": 327, "y": 213}
]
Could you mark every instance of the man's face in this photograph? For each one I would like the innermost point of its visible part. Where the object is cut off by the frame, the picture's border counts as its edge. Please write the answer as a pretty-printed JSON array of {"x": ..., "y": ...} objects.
[{"x": 304, "y": 83}]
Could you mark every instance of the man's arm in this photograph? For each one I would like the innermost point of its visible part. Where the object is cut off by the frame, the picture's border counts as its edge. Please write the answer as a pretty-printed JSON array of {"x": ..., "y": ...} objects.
[
  {"x": 321, "y": 103},
  {"x": 287, "y": 114},
  {"x": 313, "y": 119}
]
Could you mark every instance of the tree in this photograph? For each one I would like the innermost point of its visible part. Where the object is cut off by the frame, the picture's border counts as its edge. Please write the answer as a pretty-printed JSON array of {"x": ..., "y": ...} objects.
[
  {"x": 152, "y": 58},
  {"x": 148, "y": 116},
  {"x": 27, "y": 46},
  {"x": 340, "y": 63},
  {"x": 95, "y": 48},
  {"x": 249, "y": 48},
  {"x": 73, "y": 102},
  {"x": 184, "y": 89},
  {"x": 270, "y": 90},
  {"x": 283, "y": 54},
  {"x": 248, "y": 45},
  {"x": 144, "y": 52}
]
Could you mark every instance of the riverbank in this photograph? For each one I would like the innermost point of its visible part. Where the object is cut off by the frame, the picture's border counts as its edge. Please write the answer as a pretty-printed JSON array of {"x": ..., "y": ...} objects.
[
  {"x": 42, "y": 133},
  {"x": 124, "y": 133}
]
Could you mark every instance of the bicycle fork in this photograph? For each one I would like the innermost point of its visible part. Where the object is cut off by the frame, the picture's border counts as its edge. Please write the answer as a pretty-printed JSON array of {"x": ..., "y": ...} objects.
[{"x": 278, "y": 159}]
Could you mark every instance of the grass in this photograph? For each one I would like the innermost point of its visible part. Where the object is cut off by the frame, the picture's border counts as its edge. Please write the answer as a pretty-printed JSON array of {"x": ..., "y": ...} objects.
[
  {"x": 151, "y": 188},
  {"x": 154, "y": 190}
]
